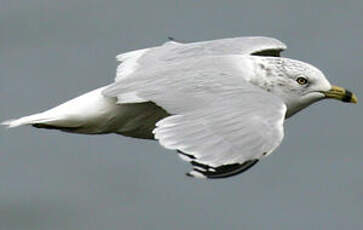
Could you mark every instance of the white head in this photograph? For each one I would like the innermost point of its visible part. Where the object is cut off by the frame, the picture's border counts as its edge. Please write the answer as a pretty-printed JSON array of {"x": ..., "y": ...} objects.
[{"x": 297, "y": 83}]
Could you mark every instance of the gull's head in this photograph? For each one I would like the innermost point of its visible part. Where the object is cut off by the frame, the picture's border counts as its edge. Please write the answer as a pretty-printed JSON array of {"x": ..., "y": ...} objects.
[{"x": 299, "y": 84}]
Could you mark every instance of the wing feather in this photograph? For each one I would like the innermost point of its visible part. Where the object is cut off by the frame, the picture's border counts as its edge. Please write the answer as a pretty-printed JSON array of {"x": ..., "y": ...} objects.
[
  {"x": 220, "y": 122},
  {"x": 134, "y": 61}
]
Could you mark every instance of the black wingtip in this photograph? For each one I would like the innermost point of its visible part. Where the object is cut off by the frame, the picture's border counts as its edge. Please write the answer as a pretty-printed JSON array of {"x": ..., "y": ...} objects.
[
  {"x": 268, "y": 53},
  {"x": 172, "y": 39},
  {"x": 205, "y": 171},
  {"x": 188, "y": 174},
  {"x": 190, "y": 157}
]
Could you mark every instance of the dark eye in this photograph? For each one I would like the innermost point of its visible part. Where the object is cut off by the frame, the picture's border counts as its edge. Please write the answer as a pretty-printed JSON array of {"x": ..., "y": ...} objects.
[{"x": 302, "y": 80}]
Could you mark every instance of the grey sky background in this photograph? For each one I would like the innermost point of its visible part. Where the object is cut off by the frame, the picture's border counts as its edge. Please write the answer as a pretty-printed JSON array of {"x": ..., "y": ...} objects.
[{"x": 52, "y": 51}]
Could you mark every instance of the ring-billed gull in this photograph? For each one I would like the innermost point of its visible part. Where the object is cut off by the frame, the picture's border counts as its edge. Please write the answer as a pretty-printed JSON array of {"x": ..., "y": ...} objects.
[{"x": 221, "y": 104}]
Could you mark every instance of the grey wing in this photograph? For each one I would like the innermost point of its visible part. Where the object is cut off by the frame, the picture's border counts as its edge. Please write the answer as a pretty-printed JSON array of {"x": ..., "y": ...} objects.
[
  {"x": 222, "y": 141},
  {"x": 220, "y": 123},
  {"x": 134, "y": 61}
]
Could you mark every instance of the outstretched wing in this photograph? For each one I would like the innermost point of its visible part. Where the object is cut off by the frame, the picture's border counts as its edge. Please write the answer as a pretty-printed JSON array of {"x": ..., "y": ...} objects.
[
  {"x": 132, "y": 62},
  {"x": 220, "y": 123}
]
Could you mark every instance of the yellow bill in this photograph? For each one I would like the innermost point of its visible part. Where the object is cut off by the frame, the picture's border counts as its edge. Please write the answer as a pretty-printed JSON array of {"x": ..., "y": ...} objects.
[{"x": 341, "y": 94}]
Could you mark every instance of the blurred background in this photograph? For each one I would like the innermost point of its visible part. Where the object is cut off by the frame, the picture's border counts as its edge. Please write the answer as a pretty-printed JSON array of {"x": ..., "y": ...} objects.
[{"x": 52, "y": 51}]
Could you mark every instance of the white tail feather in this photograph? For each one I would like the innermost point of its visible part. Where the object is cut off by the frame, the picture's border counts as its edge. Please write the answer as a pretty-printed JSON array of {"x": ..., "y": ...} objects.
[
  {"x": 27, "y": 120},
  {"x": 89, "y": 113}
]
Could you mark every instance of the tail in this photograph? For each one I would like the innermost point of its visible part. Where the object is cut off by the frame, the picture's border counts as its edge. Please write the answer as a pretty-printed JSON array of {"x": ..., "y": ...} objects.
[
  {"x": 88, "y": 113},
  {"x": 35, "y": 120}
]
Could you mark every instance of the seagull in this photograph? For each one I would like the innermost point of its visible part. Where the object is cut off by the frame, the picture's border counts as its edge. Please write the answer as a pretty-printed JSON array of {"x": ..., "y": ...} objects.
[{"x": 220, "y": 104}]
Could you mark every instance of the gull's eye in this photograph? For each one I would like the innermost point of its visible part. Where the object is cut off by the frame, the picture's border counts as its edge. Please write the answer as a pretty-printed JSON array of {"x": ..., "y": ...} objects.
[{"x": 302, "y": 80}]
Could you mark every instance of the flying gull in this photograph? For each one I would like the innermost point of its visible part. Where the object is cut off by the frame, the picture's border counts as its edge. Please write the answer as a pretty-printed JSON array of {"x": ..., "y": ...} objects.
[{"x": 221, "y": 104}]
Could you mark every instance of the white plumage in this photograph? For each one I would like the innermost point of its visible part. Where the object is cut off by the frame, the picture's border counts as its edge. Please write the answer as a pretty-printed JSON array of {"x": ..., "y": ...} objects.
[{"x": 220, "y": 103}]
